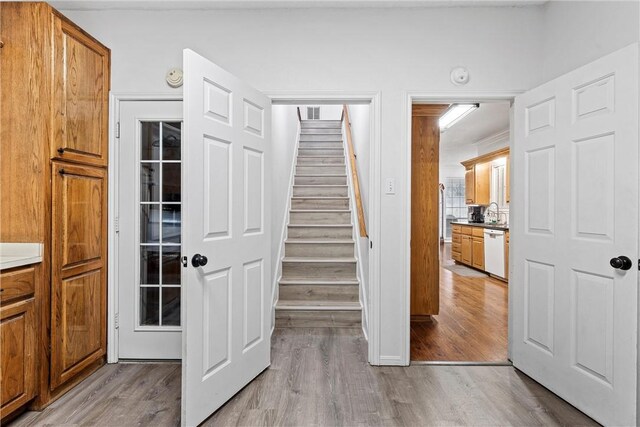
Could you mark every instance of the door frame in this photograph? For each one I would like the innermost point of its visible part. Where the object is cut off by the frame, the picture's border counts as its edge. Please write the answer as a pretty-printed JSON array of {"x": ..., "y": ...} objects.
[
  {"x": 426, "y": 97},
  {"x": 373, "y": 308},
  {"x": 113, "y": 169}
]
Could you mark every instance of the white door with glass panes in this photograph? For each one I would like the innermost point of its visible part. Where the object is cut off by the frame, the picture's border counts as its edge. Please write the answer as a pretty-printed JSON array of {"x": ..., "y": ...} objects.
[{"x": 149, "y": 211}]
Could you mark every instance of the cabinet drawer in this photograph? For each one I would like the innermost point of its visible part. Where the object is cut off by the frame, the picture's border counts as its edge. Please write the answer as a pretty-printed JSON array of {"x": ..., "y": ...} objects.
[
  {"x": 466, "y": 230},
  {"x": 17, "y": 283},
  {"x": 456, "y": 247},
  {"x": 456, "y": 238},
  {"x": 456, "y": 228},
  {"x": 478, "y": 232}
]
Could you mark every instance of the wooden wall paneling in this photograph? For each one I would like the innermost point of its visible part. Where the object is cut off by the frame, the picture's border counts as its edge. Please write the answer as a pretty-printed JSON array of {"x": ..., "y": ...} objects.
[
  {"x": 25, "y": 91},
  {"x": 78, "y": 300},
  {"x": 17, "y": 355},
  {"x": 425, "y": 241},
  {"x": 81, "y": 95}
]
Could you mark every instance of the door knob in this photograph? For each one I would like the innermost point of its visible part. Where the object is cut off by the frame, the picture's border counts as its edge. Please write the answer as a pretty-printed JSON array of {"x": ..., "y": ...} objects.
[
  {"x": 199, "y": 260},
  {"x": 622, "y": 262}
]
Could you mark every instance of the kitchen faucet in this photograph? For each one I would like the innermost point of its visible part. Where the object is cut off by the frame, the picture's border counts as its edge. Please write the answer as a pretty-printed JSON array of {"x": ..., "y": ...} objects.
[{"x": 497, "y": 211}]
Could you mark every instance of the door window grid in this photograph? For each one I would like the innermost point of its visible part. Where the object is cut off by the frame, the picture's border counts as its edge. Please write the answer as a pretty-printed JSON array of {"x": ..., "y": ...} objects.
[
  {"x": 455, "y": 207},
  {"x": 160, "y": 224}
]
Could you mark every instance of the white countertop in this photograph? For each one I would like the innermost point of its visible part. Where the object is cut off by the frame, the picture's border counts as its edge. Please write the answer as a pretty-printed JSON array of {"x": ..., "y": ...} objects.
[{"x": 18, "y": 254}]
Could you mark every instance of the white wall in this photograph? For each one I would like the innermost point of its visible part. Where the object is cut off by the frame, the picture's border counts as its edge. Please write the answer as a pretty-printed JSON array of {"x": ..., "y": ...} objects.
[
  {"x": 359, "y": 116},
  {"x": 576, "y": 33},
  {"x": 391, "y": 51},
  {"x": 284, "y": 137}
]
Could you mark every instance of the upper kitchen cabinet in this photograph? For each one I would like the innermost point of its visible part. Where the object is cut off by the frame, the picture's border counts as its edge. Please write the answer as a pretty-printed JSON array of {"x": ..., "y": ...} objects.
[
  {"x": 80, "y": 95},
  {"x": 487, "y": 178}
]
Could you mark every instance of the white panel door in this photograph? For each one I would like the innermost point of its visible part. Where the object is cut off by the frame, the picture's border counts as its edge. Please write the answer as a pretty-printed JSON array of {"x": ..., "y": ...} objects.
[
  {"x": 227, "y": 130},
  {"x": 574, "y": 211}
]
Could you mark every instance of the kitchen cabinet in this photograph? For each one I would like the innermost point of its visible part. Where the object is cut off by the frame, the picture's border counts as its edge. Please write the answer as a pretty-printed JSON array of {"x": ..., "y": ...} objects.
[
  {"x": 467, "y": 246},
  {"x": 18, "y": 335},
  {"x": 477, "y": 177},
  {"x": 54, "y": 93}
]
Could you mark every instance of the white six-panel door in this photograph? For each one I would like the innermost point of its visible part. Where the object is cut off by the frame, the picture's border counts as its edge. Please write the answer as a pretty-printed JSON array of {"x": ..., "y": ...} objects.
[
  {"x": 227, "y": 130},
  {"x": 574, "y": 208}
]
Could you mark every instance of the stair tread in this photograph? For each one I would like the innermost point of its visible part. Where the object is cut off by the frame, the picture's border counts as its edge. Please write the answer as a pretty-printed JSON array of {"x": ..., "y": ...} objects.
[
  {"x": 321, "y": 225},
  {"x": 321, "y": 260},
  {"x": 318, "y": 305},
  {"x": 320, "y": 210},
  {"x": 341, "y": 282},
  {"x": 314, "y": 241}
]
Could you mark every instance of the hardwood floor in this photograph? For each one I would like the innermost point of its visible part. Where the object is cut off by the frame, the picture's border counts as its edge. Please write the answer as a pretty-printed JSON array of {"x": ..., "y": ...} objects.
[
  {"x": 472, "y": 324},
  {"x": 319, "y": 377}
]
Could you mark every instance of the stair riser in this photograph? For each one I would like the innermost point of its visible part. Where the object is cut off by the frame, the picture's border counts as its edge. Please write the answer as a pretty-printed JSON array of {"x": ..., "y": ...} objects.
[
  {"x": 320, "y": 233},
  {"x": 319, "y": 250},
  {"x": 318, "y": 270},
  {"x": 318, "y": 319},
  {"x": 315, "y": 144},
  {"x": 322, "y": 152},
  {"x": 336, "y": 137},
  {"x": 320, "y": 180},
  {"x": 320, "y": 217},
  {"x": 306, "y": 131},
  {"x": 307, "y": 204},
  {"x": 318, "y": 191},
  {"x": 320, "y": 170},
  {"x": 315, "y": 293},
  {"x": 320, "y": 161}
]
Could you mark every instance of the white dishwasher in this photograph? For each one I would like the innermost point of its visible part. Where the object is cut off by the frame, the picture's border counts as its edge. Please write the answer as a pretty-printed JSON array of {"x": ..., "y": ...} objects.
[{"x": 494, "y": 252}]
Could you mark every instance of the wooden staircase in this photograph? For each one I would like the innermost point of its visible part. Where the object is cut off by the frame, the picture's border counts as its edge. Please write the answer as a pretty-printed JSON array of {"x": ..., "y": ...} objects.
[{"x": 319, "y": 285}]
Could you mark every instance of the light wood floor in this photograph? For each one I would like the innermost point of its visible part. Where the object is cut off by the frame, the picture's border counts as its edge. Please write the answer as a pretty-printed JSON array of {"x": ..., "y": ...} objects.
[
  {"x": 472, "y": 324},
  {"x": 319, "y": 377}
]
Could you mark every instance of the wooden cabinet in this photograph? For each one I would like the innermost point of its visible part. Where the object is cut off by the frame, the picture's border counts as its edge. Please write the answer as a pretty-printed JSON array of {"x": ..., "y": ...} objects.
[
  {"x": 78, "y": 294},
  {"x": 477, "y": 177},
  {"x": 54, "y": 90},
  {"x": 17, "y": 355},
  {"x": 477, "y": 244},
  {"x": 466, "y": 250},
  {"x": 80, "y": 95},
  {"x": 477, "y": 180}
]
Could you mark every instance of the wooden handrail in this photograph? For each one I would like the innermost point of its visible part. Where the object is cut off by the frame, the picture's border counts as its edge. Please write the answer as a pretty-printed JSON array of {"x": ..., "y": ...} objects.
[
  {"x": 354, "y": 172},
  {"x": 299, "y": 115}
]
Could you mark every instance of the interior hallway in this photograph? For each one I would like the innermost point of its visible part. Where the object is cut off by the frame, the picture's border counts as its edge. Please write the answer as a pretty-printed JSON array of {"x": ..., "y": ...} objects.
[
  {"x": 472, "y": 324},
  {"x": 319, "y": 377}
]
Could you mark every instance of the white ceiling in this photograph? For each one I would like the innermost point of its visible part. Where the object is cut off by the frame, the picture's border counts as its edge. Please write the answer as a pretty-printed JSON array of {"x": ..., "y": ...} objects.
[
  {"x": 488, "y": 120},
  {"x": 272, "y": 4}
]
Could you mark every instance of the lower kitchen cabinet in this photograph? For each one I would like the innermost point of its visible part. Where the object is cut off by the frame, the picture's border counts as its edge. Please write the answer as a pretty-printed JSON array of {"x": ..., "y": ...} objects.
[
  {"x": 18, "y": 335},
  {"x": 466, "y": 250},
  {"x": 477, "y": 244},
  {"x": 467, "y": 246}
]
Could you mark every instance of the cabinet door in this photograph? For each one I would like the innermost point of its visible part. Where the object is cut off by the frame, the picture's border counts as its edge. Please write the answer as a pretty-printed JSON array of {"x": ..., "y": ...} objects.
[
  {"x": 469, "y": 186},
  {"x": 477, "y": 244},
  {"x": 482, "y": 176},
  {"x": 17, "y": 355},
  {"x": 78, "y": 293},
  {"x": 466, "y": 250},
  {"x": 81, "y": 95}
]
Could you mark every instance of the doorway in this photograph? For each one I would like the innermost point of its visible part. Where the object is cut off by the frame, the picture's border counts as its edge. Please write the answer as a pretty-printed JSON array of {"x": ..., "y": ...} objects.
[
  {"x": 149, "y": 230},
  {"x": 459, "y": 231}
]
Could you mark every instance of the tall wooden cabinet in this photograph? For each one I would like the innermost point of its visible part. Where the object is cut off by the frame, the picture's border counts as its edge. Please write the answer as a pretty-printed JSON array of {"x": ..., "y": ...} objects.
[{"x": 54, "y": 89}]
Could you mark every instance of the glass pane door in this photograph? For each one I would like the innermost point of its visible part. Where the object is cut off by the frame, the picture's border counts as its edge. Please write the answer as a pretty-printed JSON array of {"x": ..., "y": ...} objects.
[{"x": 160, "y": 224}]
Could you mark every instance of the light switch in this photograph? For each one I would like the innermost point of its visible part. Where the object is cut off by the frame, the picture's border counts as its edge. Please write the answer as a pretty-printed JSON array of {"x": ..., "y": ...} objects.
[{"x": 390, "y": 186}]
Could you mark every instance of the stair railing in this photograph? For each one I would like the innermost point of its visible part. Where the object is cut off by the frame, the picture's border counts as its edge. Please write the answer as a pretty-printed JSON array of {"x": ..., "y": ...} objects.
[{"x": 354, "y": 172}]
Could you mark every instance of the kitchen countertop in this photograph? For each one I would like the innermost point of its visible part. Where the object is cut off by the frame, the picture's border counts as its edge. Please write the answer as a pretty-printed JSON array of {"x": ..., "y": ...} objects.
[
  {"x": 19, "y": 254},
  {"x": 483, "y": 225}
]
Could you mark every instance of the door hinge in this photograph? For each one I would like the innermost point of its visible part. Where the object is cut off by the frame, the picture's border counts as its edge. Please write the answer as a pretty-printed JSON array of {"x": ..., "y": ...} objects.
[
  {"x": 185, "y": 261},
  {"x": 116, "y": 224},
  {"x": 117, "y": 320},
  {"x": 117, "y": 130}
]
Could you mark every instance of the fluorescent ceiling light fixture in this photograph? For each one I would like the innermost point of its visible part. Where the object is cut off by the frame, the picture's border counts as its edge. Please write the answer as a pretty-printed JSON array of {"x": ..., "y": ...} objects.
[{"x": 454, "y": 114}]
